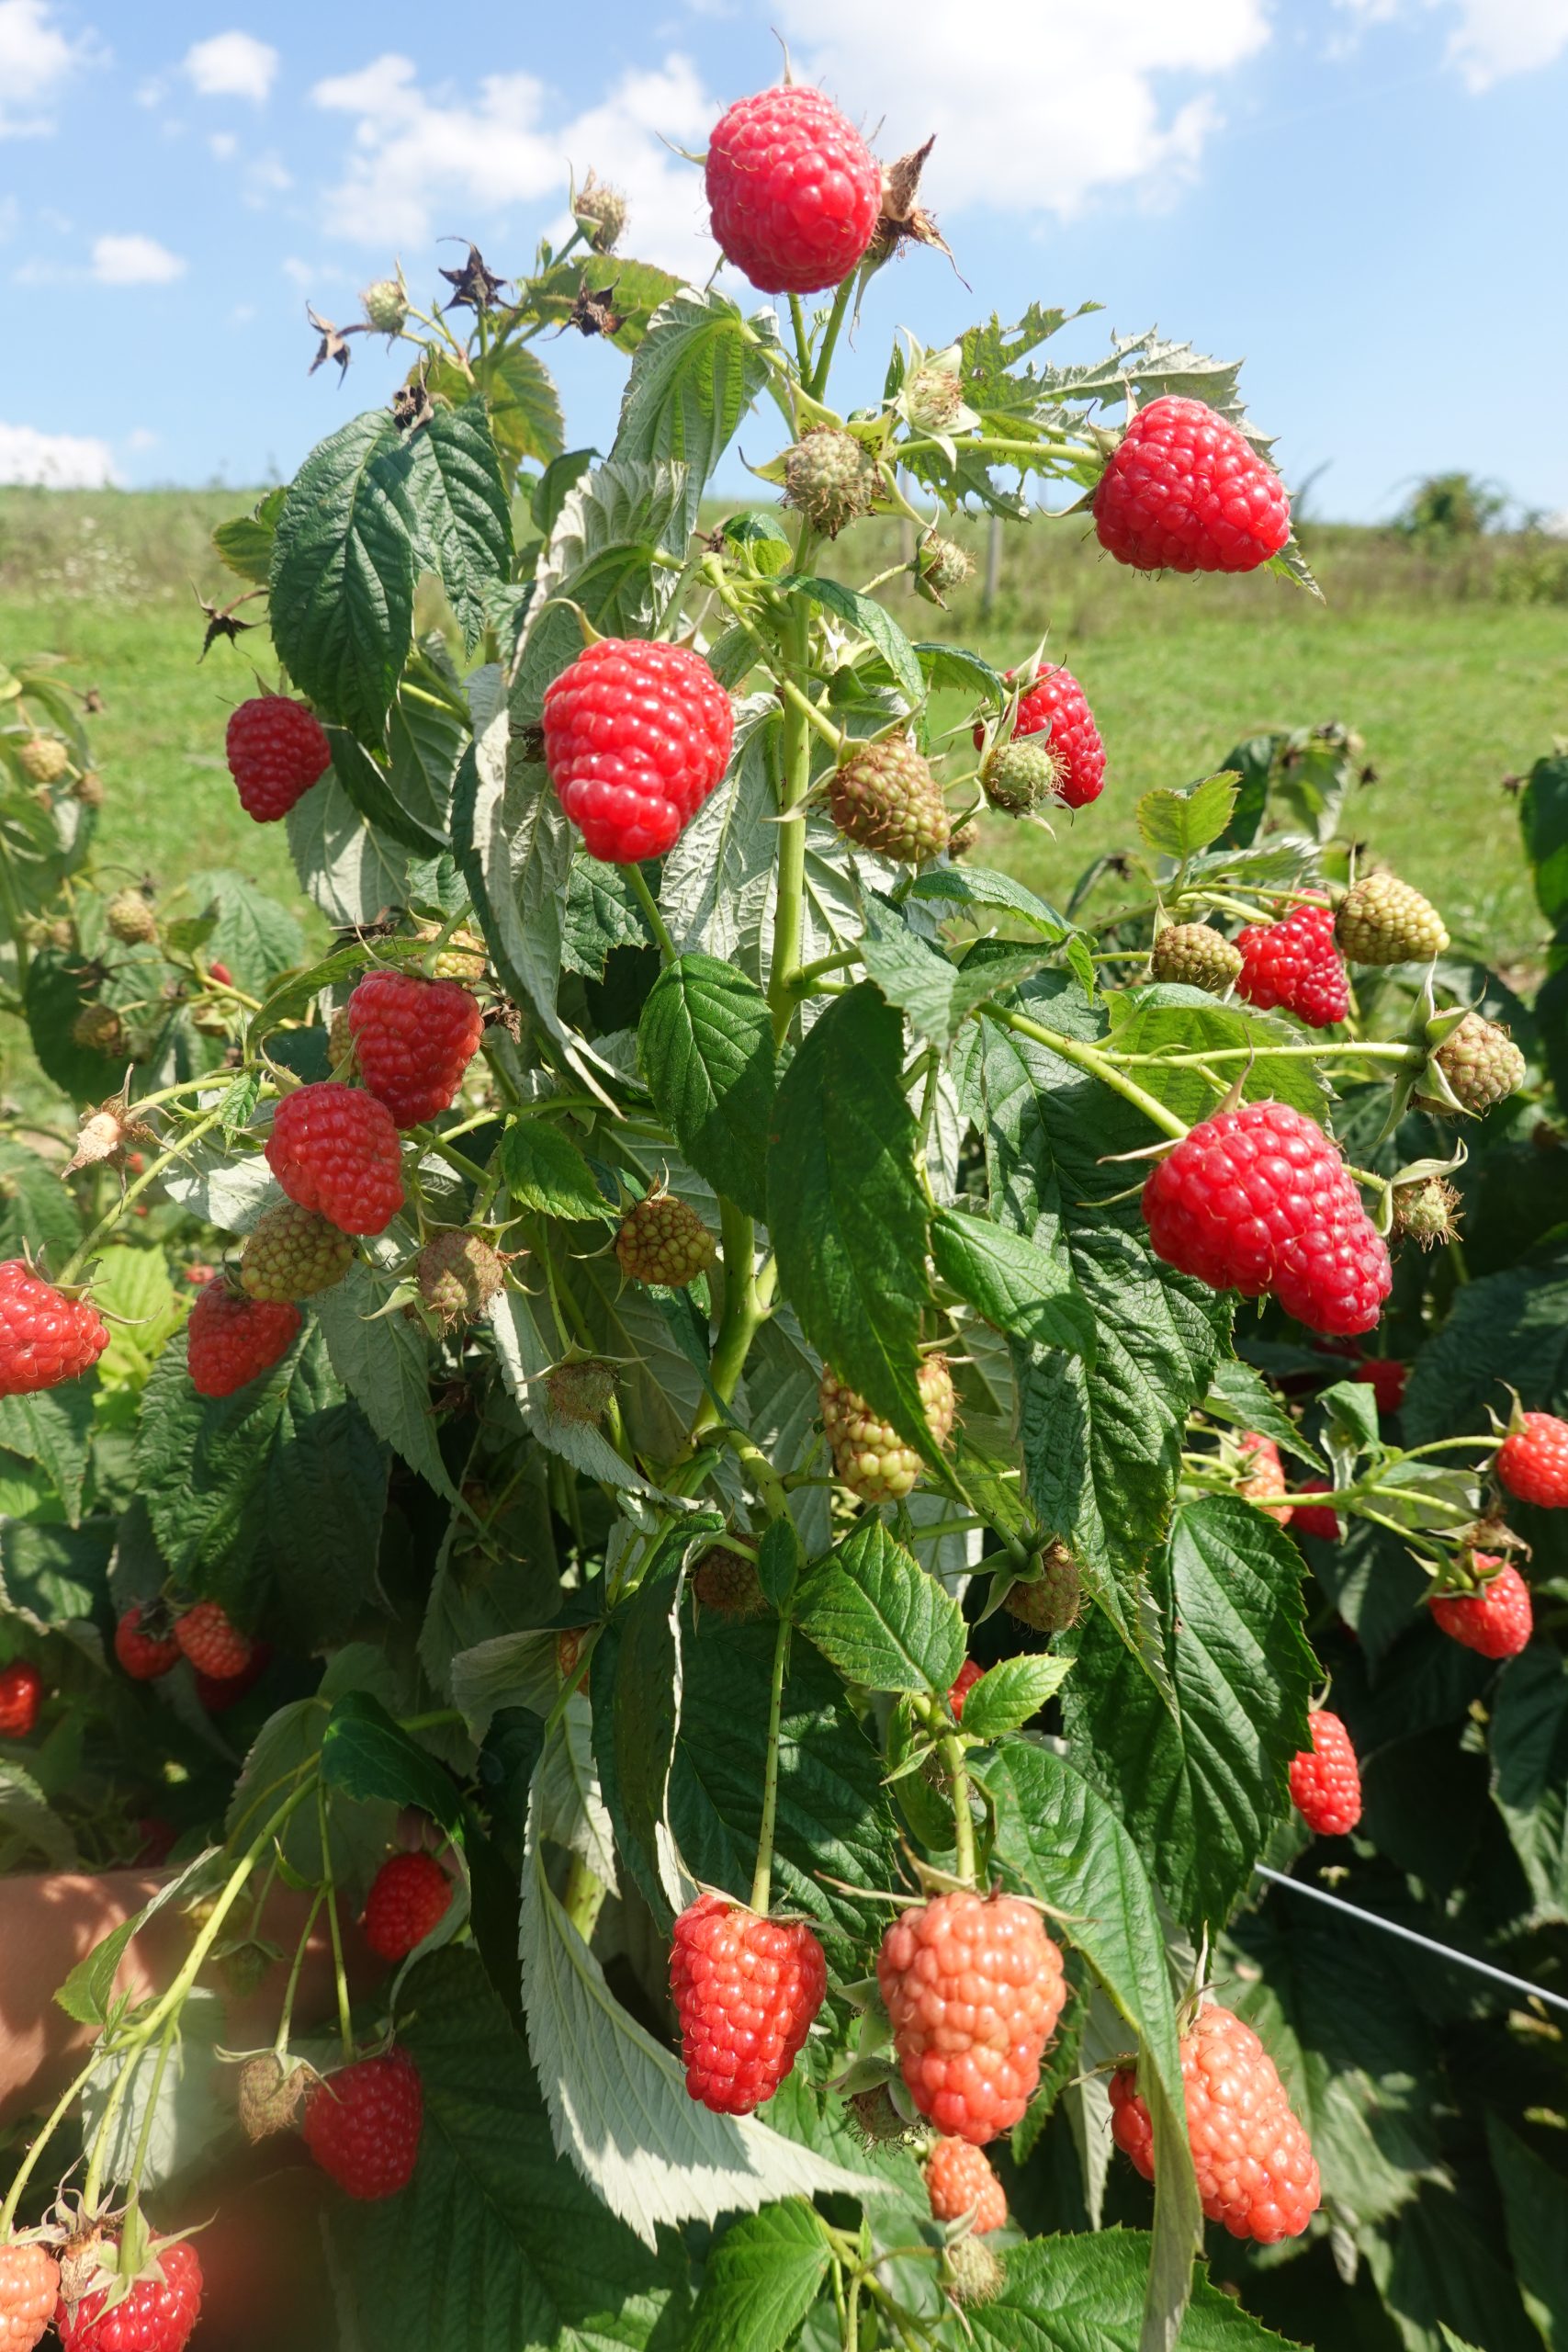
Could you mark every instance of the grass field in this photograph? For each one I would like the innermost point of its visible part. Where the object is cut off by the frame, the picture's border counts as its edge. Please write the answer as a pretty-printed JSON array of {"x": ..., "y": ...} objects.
[{"x": 1451, "y": 685}]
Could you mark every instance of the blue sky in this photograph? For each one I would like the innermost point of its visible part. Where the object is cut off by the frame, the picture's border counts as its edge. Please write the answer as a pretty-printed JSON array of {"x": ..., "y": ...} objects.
[{"x": 1364, "y": 197}]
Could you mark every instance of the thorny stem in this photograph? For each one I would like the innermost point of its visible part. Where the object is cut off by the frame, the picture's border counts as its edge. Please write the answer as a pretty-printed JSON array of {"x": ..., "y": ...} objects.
[
  {"x": 650, "y": 906},
  {"x": 287, "y": 2019},
  {"x": 88, "y": 1249},
  {"x": 790, "y": 901},
  {"x": 951, "y": 1748},
  {"x": 1087, "y": 1058},
  {"x": 741, "y": 1320},
  {"x": 762, "y": 1878},
  {"x": 52, "y": 2123},
  {"x": 802, "y": 340},
  {"x": 344, "y": 2021}
]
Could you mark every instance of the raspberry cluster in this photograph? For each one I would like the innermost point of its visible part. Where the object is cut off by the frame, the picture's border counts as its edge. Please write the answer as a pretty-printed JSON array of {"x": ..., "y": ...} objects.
[
  {"x": 1325, "y": 1780},
  {"x": 1186, "y": 491},
  {"x": 232, "y": 1340},
  {"x": 1256, "y": 2175},
  {"x": 1480, "y": 1063},
  {"x": 973, "y": 1987},
  {"x": 362, "y": 2124},
  {"x": 413, "y": 1040},
  {"x": 1258, "y": 1199},
  {"x": 964, "y": 1682},
  {"x": 746, "y": 1990},
  {"x": 959, "y": 2181},
  {"x": 45, "y": 1337},
  {"x": 1385, "y": 1376},
  {"x": 793, "y": 192},
  {"x": 277, "y": 750},
  {"x": 409, "y": 1895},
  {"x": 1532, "y": 1461},
  {"x": 1497, "y": 1617},
  {"x": 727, "y": 1581},
  {"x": 458, "y": 1275},
  {"x": 1295, "y": 964},
  {"x": 156, "y": 2315},
  {"x": 635, "y": 738},
  {"x": 333, "y": 1149},
  {"x": 830, "y": 478},
  {"x": 215, "y": 1647},
  {"x": 869, "y": 1456},
  {"x": 144, "y": 1656}
]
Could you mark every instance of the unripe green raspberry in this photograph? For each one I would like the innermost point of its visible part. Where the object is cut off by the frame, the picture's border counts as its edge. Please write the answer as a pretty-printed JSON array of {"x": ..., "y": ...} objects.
[
  {"x": 1019, "y": 775},
  {"x": 932, "y": 397},
  {"x": 1197, "y": 955},
  {"x": 44, "y": 759},
  {"x": 876, "y": 2121},
  {"x": 1427, "y": 1212},
  {"x": 340, "y": 1043},
  {"x": 386, "y": 304},
  {"x": 663, "y": 1242},
  {"x": 100, "y": 1029},
  {"x": 293, "y": 1253},
  {"x": 462, "y": 958},
  {"x": 884, "y": 797},
  {"x": 869, "y": 1456},
  {"x": 243, "y": 1970},
  {"x": 458, "y": 1275},
  {"x": 971, "y": 2272},
  {"x": 941, "y": 567},
  {"x": 1481, "y": 1062},
  {"x": 580, "y": 1389},
  {"x": 62, "y": 931},
  {"x": 603, "y": 211},
  {"x": 1050, "y": 1602},
  {"x": 130, "y": 917},
  {"x": 830, "y": 477},
  {"x": 727, "y": 1581},
  {"x": 1383, "y": 920},
  {"x": 961, "y": 842}
]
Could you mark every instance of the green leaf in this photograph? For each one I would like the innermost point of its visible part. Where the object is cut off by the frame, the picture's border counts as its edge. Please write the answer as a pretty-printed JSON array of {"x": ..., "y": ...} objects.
[
  {"x": 602, "y": 557},
  {"x": 637, "y": 1708},
  {"x": 133, "y": 1290},
  {"x": 28, "y": 1818},
  {"x": 760, "y": 2280},
  {"x": 54, "y": 1578},
  {"x": 937, "y": 994},
  {"x": 88, "y": 1993},
  {"x": 833, "y": 1815},
  {"x": 448, "y": 474},
  {"x": 59, "y": 986},
  {"x": 257, "y": 939},
  {"x": 1176, "y": 824},
  {"x": 1009, "y": 1693},
  {"x": 1012, "y": 1284},
  {"x": 1086, "y": 2295},
  {"x": 694, "y": 375},
  {"x": 523, "y": 405},
  {"x": 383, "y": 1361},
  {"x": 544, "y": 1170},
  {"x": 873, "y": 620},
  {"x": 705, "y": 1045},
  {"x": 34, "y": 1206},
  {"x": 848, "y": 1216},
  {"x": 368, "y": 1756},
  {"x": 343, "y": 572},
  {"x": 368, "y": 786},
  {"x": 1171, "y": 1018},
  {"x": 514, "y": 842},
  {"x": 1442, "y": 2261},
  {"x": 246, "y": 541},
  {"x": 353, "y": 872},
  {"x": 54, "y": 1429},
  {"x": 872, "y": 1610},
  {"x": 1535, "y": 2212},
  {"x": 1198, "y": 1770},
  {"x": 974, "y": 885},
  {"x": 601, "y": 915},
  {"x": 1528, "y": 1739},
  {"x": 636, "y": 289},
  {"x": 549, "y": 493},
  {"x": 1544, "y": 829},
  {"x": 781, "y": 1557},
  {"x": 495, "y": 2243}
]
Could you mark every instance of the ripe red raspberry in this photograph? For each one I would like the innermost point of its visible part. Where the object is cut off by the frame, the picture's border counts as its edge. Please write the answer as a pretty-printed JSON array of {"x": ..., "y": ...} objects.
[
  {"x": 959, "y": 2181},
  {"x": 30, "y": 2284},
  {"x": 21, "y": 1688},
  {"x": 1385, "y": 1376},
  {"x": 1294, "y": 963},
  {"x": 635, "y": 738},
  {"x": 1497, "y": 1619},
  {"x": 746, "y": 1990},
  {"x": 143, "y": 1656},
  {"x": 973, "y": 1987},
  {"x": 1255, "y": 2173},
  {"x": 277, "y": 750},
  {"x": 1325, "y": 1780},
  {"x": 1264, "y": 1477},
  {"x": 1186, "y": 491},
  {"x": 45, "y": 1337},
  {"x": 408, "y": 1895},
  {"x": 362, "y": 2123},
  {"x": 157, "y": 2315},
  {"x": 232, "y": 1339},
  {"x": 1258, "y": 1199},
  {"x": 794, "y": 191},
  {"x": 219, "y": 1692},
  {"x": 334, "y": 1149},
  {"x": 968, "y": 1674},
  {"x": 213, "y": 1645},
  {"x": 413, "y": 1040},
  {"x": 1056, "y": 707},
  {"x": 1532, "y": 1461},
  {"x": 1311, "y": 1518}
]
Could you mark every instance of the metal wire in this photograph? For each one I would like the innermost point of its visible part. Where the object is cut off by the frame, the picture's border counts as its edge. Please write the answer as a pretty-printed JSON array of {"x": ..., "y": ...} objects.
[{"x": 1409, "y": 1935}]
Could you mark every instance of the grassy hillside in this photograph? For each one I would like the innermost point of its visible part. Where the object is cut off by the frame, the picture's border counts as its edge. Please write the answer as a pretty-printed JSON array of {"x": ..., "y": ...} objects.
[{"x": 1451, "y": 683}]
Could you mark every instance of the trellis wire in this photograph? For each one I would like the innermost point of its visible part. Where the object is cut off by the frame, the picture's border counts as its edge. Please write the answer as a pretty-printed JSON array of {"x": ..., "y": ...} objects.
[{"x": 1409, "y": 1935}]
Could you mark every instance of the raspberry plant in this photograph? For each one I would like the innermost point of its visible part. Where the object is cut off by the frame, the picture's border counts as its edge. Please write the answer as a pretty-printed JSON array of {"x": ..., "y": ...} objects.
[{"x": 704, "y": 1350}]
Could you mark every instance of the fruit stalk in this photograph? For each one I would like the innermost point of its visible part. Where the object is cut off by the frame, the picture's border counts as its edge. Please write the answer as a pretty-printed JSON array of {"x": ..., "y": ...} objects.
[
  {"x": 762, "y": 1877},
  {"x": 89, "y": 1249},
  {"x": 1086, "y": 1057},
  {"x": 790, "y": 899},
  {"x": 340, "y": 1974},
  {"x": 741, "y": 1320}
]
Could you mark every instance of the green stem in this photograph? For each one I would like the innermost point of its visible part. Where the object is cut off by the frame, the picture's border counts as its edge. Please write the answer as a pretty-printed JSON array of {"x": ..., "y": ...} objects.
[
  {"x": 802, "y": 341},
  {"x": 647, "y": 901},
  {"x": 791, "y": 898},
  {"x": 816, "y": 384},
  {"x": 742, "y": 1319},
  {"x": 762, "y": 1878},
  {"x": 52, "y": 2123},
  {"x": 287, "y": 2019},
  {"x": 1087, "y": 1058},
  {"x": 810, "y": 972},
  {"x": 769, "y": 1484},
  {"x": 340, "y": 1974},
  {"x": 149, "y": 1174},
  {"x": 1343, "y": 1048}
]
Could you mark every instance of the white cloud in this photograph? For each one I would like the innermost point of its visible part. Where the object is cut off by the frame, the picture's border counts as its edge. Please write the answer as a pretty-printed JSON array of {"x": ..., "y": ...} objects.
[
  {"x": 54, "y": 460},
  {"x": 140, "y": 437},
  {"x": 1040, "y": 104},
  {"x": 231, "y": 65},
  {"x": 1492, "y": 39},
  {"x": 225, "y": 145},
  {"x": 35, "y": 59},
  {"x": 134, "y": 260},
  {"x": 420, "y": 166}
]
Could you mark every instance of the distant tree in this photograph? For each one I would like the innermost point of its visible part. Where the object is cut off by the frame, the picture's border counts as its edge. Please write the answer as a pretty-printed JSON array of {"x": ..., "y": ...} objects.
[{"x": 1443, "y": 508}]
